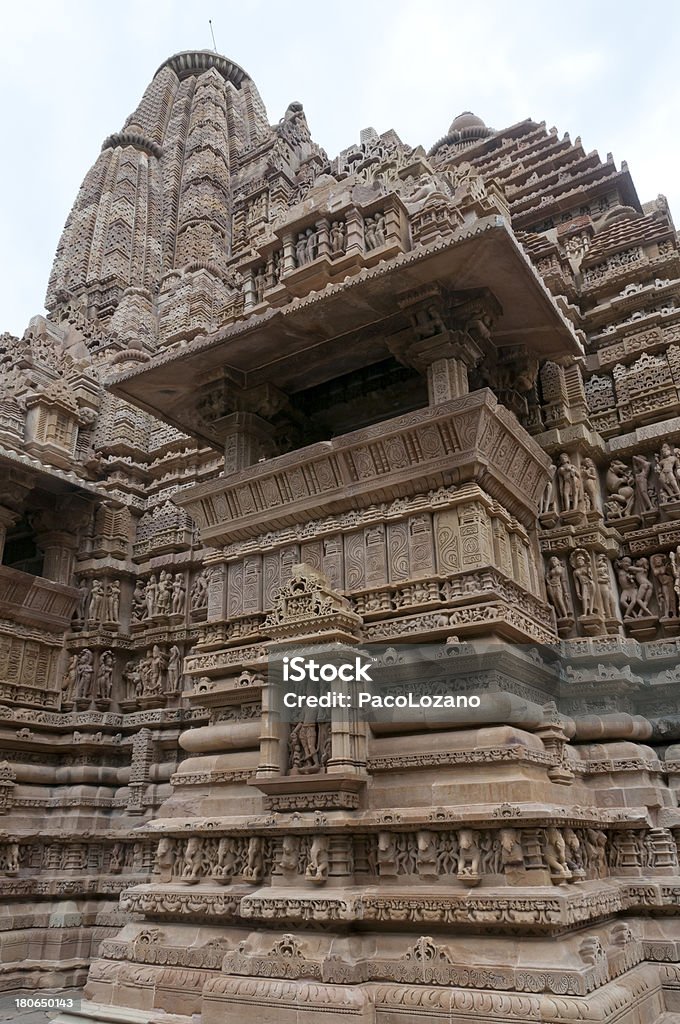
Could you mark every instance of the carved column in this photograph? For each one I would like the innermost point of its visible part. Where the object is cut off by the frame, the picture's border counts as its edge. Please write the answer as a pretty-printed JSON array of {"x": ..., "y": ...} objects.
[
  {"x": 8, "y": 518},
  {"x": 247, "y": 435}
]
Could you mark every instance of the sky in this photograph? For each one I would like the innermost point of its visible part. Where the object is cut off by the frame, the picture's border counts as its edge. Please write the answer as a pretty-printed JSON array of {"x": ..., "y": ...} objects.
[{"x": 71, "y": 72}]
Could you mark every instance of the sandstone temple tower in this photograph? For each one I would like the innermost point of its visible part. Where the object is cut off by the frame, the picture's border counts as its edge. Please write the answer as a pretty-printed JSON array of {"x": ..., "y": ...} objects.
[{"x": 395, "y": 396}]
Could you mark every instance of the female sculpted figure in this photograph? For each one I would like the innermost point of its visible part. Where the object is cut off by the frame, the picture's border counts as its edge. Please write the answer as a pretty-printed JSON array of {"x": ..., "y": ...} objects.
[
  {"x": 589, "y": 484},
  {"x": 555, "y": 583},
  {"x": 641, "y": 470},
  {"x": 666, "y": 465},
  {"x": 583, "y": 581}
]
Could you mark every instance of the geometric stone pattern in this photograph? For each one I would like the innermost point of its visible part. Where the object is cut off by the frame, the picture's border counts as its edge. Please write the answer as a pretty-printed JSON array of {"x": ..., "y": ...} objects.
[{"x": 392, "y": 432}]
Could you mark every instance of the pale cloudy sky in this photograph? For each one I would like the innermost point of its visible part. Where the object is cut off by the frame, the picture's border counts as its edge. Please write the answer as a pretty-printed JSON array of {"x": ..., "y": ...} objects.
[{"x": 72, "y": 70}]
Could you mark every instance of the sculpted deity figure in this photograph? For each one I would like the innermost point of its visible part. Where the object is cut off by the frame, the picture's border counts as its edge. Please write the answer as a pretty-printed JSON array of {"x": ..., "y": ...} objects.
[
  {"x": 199, "y": 593},
  {"x": 604, "y": 586},
  {"x": 116, "y": 858},
  {"x": 644, "y": 588},
  {"x": 164, "y": 593},
  {"x": 641, "y": 470},
  {"x": 290, "y": 854},
  {"x": 583, "y": 580},
  {"x": 667, "y": 468},
  {"x": 174, "y": 668},
  {"x": 338, "y": 236},
  {"x": 159, "y": 664},
  {"x": 94, "y": 611},
  {"x": 85, "y": 673},
  {"x": 556, "y": 586},
  {"x": 512, "y": 854},
  {"x": 556, "y": 854},
  {"x": 132, "y": 680},
  {"x": 194, "y": 861},
  {"x": 179, "y": 594},
  {"x": 387, "y": 853},
  {"x": 151, "y": 596},
  {"x": 590, "y": 486},
  {"x": 468, "y": 855},
  {"x": 301, "y": 250},
  {"x": 570, "y": 485},
  {"x": 81, "y": 608},
  {"x": 663, "y": 574},
  {"x": 311, "y": 244},
  {"x": 226, "y": 860},
  {"x": 627, "y": 585},
  {"x": 112, "y": 601},
  {"x": 104, "y": 677},
  {"x": 547, "y": 503},
  {"x": 620, "y": 490},
  {"x": 139, "y": 606},
  {"x": 68, "y": 687},
  {"x": 427, "y": 854},
  {"x": 317, "y": 867},
  {"x": 254, "y": 869},
  {"x": 596, "y": 851},
  {"x": 260, "y": 282}
]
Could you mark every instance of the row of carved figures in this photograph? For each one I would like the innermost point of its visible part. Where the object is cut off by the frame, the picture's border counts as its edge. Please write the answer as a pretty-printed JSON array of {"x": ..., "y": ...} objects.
[
  {"x": 54, "y": 856},
  {"x": 155, "y": 673},
  {"x": 306, "y": 249},
  {"x": 568, "y": 854},
  {"x": 166, "y": 595},
  {"x": 162, "y": 594},
  {"x": 643, "y": 486},
  {"x": 640, "y": 581},
  {"x": 90, "y": 677}
]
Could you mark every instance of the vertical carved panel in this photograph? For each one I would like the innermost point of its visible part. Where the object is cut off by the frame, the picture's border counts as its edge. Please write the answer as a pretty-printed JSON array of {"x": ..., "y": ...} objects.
[
  {"x": 376, "y": 555},
  {"x": 216, "y": 592},
  {"x": 397, "y": 551},
  {"x": 501, "y": 544},
  {"x": 289, "y": 557},
  {"x": 312, "y": 554},
  {"x": 355, "y": 569},
  {"x": 332, "y": 562},
  {"x": 421, "y": 548},
  {"x": 271, "y": 578},
  {"x": 235, "y": 590},
  {"x": 252, "y": 576},
  {"x": 447, "y": 541}
]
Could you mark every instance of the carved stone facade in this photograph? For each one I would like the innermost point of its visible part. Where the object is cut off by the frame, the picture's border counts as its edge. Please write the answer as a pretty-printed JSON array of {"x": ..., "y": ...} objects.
[{"x": 394, "y": 397}]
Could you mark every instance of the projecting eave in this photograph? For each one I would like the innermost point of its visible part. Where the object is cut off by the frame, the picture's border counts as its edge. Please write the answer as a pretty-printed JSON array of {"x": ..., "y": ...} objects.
[{"x": 345, "y": 326}]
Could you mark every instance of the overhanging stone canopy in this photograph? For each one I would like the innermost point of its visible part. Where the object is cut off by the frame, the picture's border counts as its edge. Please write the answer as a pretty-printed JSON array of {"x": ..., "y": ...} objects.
[
  {"x": 398, "y": 403},
  {"x": 351, "y": 324}
]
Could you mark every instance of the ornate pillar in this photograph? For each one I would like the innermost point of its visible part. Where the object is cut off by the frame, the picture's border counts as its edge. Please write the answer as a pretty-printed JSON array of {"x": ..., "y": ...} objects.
[{"x": 247, "y": 437}]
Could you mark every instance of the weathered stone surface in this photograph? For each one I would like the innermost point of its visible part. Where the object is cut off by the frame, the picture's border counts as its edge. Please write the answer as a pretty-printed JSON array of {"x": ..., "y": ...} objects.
[{"x": 388, "y": 398}]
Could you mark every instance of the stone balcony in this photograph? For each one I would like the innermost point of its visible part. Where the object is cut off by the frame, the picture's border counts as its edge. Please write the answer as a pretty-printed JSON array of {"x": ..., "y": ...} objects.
[
  {"x": 34, "y": 601},
  {"x": 468, "y": 439}
]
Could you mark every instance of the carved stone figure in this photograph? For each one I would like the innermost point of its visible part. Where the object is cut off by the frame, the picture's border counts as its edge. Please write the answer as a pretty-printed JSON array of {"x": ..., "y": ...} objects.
[
  {"x": 95, "y": 607},
  {"x": 555, "y": 852},
  {"x": 317, "y": 866},
  {"x": 68, "y": 686},
  {"x": 85, "y": 674},
  {"x": 571, "y": 488},
  {"x": 627, "y": 585},
  {"x": 254, "y": 869},
  {"x": 590, "y": 485},
  {"x": 178, "y": 594},
  {"x": 151, "y": 596},
  {"x": 468, "y": 856},
  {"x": 112, "y": 601},
  {"x": 165, "y": 858},
  {"x": 620, "y": 490},
  {"x": 139, "y": 606},
  {"x": 662, "y": 571},
  {"x": 80, "y": 614},
  {"x": 583, "y": 580},
  {"x": 290, "y": 854},
  {"x": 555, "y": 581},
  {"x": 667, "y": 465},
  {"x": 159, "y": 664},
  {"x": 641, "y": 470},
  {"x": 104, "y": 677},
  {"x": 174, "y": 668},
  {"x": 199, "y": 593},
  {"x": 164, "y": 594},
  {"x": 606, "y": 598},
  {"x": 226, "y": 860}
]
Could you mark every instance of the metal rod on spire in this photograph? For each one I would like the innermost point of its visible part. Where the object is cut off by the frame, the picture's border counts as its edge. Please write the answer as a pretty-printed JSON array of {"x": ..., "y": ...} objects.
[{"x": 212, "y": 34}]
